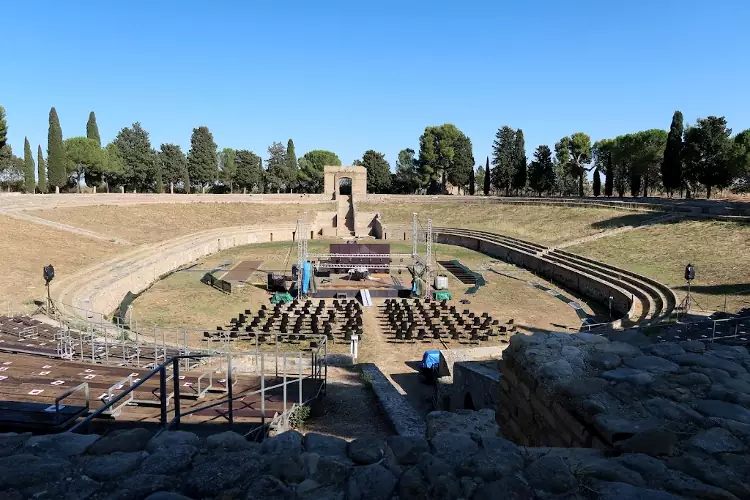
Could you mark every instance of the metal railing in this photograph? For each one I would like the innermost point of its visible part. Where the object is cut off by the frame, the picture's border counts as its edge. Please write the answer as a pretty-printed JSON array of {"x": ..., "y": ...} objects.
[{"x": 114, "y": 404}]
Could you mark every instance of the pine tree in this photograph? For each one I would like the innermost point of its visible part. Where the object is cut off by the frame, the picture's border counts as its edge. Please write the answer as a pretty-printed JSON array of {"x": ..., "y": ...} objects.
[
  {"x": 28, "y": 167},
  {"x": 597, "y": 183},
  {"x": 671, "y": 167},
  {"x": 542, "y": 171},
  {"x": 487, "y": 176},
  {"x": 57, "y": 174},
  {"x": 92, "y": 129},
  {"x": 138, "y": 159},
  {"x": 519, "y": 158},
  {"x": 41, "y": 171},
  {"x": 609, "y": 182},
  {"x": 378, "y": 171},
  {"x": 203, "y": 165},
  {"x": 291, "y": 165}
]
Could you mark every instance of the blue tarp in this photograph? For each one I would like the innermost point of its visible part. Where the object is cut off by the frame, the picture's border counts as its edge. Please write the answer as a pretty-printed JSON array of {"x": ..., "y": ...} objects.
[
  {"x": 430, "y": 359},
  {"x": 306, "y": 273}
]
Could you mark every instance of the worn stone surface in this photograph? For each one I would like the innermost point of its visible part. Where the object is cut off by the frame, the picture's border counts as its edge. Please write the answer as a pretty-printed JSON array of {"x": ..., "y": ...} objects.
[
  {"x": 366, "y": 451},
  {"x": 65, "y": 444},
  {"x": 470, "y": 423},
  {"x": 464, "y": 458},
  {"x": 716, "y": 440},
  {"x": 109, "y": 467},
  {"x": 172, "y": 438},
  {"x": 125, "y": 441}
]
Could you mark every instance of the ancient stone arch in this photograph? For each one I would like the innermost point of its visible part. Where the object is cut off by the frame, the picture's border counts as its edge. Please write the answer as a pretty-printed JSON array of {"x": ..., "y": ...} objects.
[{"x": 334, "y": 175}]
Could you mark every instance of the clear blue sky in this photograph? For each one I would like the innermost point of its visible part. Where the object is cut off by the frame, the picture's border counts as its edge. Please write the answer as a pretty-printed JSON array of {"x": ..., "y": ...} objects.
[{"x": 355, "y": 75}]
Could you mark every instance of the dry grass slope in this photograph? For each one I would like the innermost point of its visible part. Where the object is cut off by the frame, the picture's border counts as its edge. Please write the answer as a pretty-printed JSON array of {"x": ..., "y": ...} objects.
[
  {"x": 720, "y": 252},
  {"x": 149, "y": 223},
  {"x": 27, "y": 247},
  {"x": 547, "y": 225}
]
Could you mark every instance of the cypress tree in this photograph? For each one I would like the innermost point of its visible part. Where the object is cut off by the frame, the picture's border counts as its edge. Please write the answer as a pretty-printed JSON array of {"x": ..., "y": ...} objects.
[
  {"x": 203, "y": 166},
  {"x": 671, "y": 166},
  {"x": 28, "y": 167},
  {"x": 3, "y": 128},
  {"x": 186, "y": 180},
  {"x": 41, "y": 171},
  {"x": 55, "y": 153},
  {"x": 92, "y": 129},
  {"x": 597, "y": 183},
  {"x": 487, "y": 176},
  {"x": 472, "y": 181},
  {"x": 519, "y": 157},
  {"x": 610, "y": 177},
  {"x": 291, "y": 165}
]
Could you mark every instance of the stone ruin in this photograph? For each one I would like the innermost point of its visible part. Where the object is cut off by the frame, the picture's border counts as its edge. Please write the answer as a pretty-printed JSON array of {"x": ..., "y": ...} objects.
[{"x": 462, "y": 455}]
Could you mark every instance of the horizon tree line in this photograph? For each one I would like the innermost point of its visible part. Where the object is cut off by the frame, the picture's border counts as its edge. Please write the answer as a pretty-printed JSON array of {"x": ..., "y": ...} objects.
[{"x": 688, "y": 160}]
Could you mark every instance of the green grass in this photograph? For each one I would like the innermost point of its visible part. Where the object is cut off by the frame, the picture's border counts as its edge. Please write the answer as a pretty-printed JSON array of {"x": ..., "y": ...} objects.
[{"x": 719, "y": 250}]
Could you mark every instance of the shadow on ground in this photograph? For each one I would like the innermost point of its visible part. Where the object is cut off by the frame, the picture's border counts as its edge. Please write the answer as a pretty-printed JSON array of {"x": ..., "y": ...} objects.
[
  {"x": 349, "y": 409},
  {"x": 419, "y": 394},
  {"x": 725, "y": 289},
  {"x": 632, "y": 219}
]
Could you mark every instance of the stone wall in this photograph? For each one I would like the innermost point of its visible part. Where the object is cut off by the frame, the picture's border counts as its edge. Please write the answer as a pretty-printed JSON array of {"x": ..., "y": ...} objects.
[{"x": 459, "y": 457}]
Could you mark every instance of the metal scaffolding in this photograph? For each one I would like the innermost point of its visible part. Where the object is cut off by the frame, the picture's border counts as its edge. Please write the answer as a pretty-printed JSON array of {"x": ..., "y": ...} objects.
[{"x": 424, "y": 262}]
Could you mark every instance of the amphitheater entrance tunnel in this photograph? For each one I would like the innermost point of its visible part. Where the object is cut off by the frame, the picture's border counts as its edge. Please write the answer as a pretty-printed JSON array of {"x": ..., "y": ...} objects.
[{"x": 345, "y": 186}]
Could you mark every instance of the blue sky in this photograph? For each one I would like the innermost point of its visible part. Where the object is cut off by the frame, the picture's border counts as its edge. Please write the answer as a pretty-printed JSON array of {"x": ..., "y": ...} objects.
[{"x": 353, "y": 75}]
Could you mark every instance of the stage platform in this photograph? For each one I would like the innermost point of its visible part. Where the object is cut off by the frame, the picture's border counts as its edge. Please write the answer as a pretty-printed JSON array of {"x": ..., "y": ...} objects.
[
  {"x": 380, "y": 285},
  {"x": 243, "y": 270}
]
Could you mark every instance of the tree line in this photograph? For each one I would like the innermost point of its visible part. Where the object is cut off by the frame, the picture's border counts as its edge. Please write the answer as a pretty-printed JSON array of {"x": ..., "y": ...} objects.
[
  {"x": 690, "y": 160},
  {"x": 130, "y": 162}
]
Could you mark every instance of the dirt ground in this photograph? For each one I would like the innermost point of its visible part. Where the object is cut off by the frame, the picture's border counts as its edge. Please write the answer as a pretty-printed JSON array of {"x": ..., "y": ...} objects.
[
  {"x": 181, "y": 300},
  {"x": 547, "y": 225},
  {"x": 151, "y": 222},
  {"x": 349, "y": 409}
]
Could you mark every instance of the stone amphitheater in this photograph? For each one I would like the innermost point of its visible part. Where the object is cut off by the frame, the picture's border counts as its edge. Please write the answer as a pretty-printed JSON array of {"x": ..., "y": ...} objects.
[{"x": 639, "y": 407}]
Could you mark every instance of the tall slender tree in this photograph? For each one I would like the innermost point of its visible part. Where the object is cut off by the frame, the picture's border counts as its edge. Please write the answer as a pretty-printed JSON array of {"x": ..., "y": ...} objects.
[
  {"x": 56, "y": 161},
  {"x": 41, "y": 171},
  {"x": 3, "y": 128},
  {"x": 92, "y": 129},
  {"x": 203, "y": 165},
  {"x": 519, "y": 159},
  {"x": 503, "y": 153},
  {"x": 610, "y": 176},
  {"x": 487, "y": 177},
  {"x": 28, "y": 167},
  {"x": 472, "y": 182},
  {"x": 597, "y": 183},
  {"x": 292, "y": 168},
  {"x": 671, "y": 165}
]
